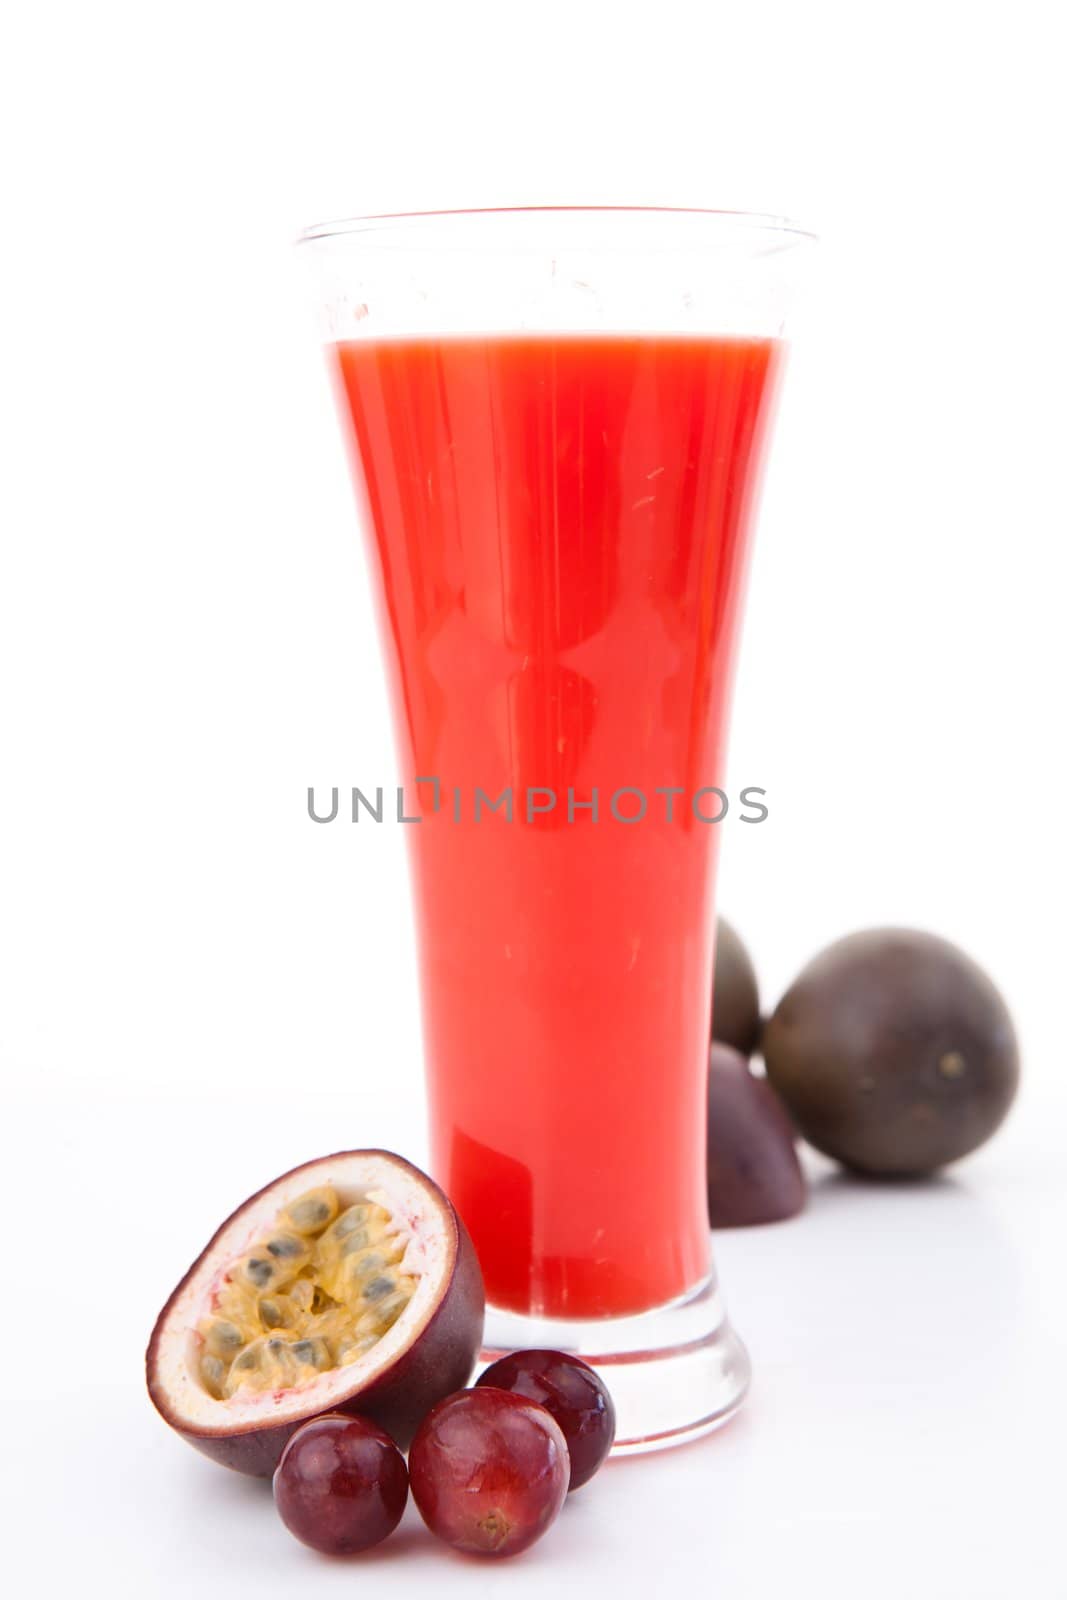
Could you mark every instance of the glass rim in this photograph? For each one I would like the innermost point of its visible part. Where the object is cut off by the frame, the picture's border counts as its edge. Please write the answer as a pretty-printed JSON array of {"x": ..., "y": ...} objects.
[{"x": 717, "y": 221}]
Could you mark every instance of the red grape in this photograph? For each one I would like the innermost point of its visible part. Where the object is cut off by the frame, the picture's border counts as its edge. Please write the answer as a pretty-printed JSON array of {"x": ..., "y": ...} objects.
[
  {"x": 341, "y": 1484},
  {"x": 572, "y": 1393},
  {"x": 489, "y": 1471}
]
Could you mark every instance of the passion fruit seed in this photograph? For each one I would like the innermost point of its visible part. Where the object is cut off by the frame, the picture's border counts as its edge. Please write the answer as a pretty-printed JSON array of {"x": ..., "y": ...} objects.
[
  {"x": 304, "y": 1301},
  {"x": 312, "y": 1212},
  {"x": 385, "y": 1312},
  {"x": 277, "y": 1362},
  {"x": 222, "y": 1337},
  {"x": 287, "y": 1247},
  {"x": 250, "y": 1356},
  {"x": 316, "y": 1352},
  {"x": 354, "y": 1218},
  {"x": 213, "y": 1373},
  {"x": 259, "y": 1271},
  {"x": 272, "y": 1313},
  {"x": 356, "y": 1266},
  {"x": 341, "y": 1485}
]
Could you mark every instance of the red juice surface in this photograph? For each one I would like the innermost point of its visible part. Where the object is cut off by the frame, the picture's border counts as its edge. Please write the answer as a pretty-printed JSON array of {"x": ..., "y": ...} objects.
[{"x": 559, "y": 532}]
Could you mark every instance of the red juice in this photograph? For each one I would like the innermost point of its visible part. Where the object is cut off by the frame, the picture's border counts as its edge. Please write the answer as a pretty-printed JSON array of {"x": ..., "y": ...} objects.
[{"x": 559, "y": 526}]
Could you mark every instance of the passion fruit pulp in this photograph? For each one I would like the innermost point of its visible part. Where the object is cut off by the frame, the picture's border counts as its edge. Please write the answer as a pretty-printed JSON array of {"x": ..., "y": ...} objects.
[
  {"x": 348, "y": 1285},
  {"x": 318, "y": 1291}
]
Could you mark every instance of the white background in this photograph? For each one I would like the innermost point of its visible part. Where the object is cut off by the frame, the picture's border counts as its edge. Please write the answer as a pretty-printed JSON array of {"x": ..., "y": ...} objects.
[{"x": 200, "y": 988}]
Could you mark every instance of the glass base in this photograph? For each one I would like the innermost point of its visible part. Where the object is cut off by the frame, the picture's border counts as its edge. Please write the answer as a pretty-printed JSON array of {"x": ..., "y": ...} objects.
[{"x": 674, "y": 1373}]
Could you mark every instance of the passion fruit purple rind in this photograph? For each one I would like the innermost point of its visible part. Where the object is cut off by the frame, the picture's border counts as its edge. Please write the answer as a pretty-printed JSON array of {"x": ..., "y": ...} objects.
[
  {"x": 754, "y": 1175},
  {"x": 348, "y": 1285},
  {"x": 894, "y": 1053},
  {"x": 735, "y": 1013}
]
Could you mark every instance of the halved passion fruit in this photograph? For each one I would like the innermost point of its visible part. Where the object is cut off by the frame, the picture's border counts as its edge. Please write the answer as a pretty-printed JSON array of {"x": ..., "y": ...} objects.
[{"x": 348, "y": 1284}]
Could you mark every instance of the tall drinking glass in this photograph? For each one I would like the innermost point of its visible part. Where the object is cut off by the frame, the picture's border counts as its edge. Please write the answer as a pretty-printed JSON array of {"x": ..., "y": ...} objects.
[{"x": 556, "y": 419}]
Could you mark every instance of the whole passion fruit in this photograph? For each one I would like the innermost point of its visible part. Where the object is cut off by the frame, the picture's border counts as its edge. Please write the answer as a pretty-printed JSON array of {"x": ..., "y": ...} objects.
[
  {"x": 735, "y": 1015},
  {"x": 348, "y": 1285},
  {"x": 754, "y": 1175},
  {"x": 894, "y": 1053}
]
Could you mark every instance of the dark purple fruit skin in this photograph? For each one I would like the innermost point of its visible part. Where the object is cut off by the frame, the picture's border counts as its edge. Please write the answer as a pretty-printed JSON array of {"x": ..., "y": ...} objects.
[
  {"x": 735, "y": 1014},
  {"x": 489, "y": 1471},
  {"x": 438, "y": 1362},
  {"x": 754, "y": 1175},
  {"x": 569, "y": 1391},
  {"x": 341, "y": 1485},
  {"x": 894, "y": 1053}
]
